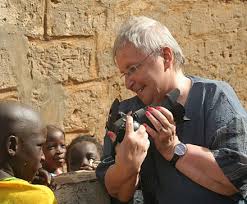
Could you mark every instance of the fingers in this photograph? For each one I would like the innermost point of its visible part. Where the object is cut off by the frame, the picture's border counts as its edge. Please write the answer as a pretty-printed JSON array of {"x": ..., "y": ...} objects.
[
  {"x": 142, "y": 131},
  {"x": 166, "y": 113},
  {"x": 117, "y": 148},
  {"x": 160, "y": 117},
  {"x": 129, "y": 125},
  {"x": 112, "y": 136},
  {"x": 128, "y": 128},
  {"x": 150, "y": 131}
]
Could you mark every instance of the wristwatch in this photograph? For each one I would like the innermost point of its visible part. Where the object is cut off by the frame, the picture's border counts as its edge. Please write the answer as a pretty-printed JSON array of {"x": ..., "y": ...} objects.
[{"x": 179, "y": 151}]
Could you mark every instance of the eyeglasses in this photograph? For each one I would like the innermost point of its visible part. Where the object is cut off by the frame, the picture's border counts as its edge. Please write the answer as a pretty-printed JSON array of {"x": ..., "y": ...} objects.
[{"x": 133, "y": 68}]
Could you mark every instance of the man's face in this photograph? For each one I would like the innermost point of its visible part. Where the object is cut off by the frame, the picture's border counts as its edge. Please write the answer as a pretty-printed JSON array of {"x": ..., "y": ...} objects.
[
  {"x": 82, "y": 155},
  {"x": 150, "y": 81},
  {"x": 54, "y": 150},
  {"x": 29, "y": 153}
]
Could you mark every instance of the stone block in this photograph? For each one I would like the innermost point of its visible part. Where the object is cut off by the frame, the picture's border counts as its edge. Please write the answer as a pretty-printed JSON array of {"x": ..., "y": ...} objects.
[
  {"x": 194, "y": 52},
  {"x": 48, "y": 97},
  {"x": 7, "y": 79},
  {"x": 86, "y": 109},
  {"x": 217, "y": 17},
  {"x": 227, "y": 17},
  {"x": 106, "y": 64},
  {"x": 66, "y": 18},
  {"x": 27, "y": 15},
  {"x": 14, "y": 70},
  {"x": 176, "y": 16},
  {"x": 200, "y": 13},
  {"x": 80, "y": 187},
  {"x": 225, "y": 49},
  {"x": 63, "y": 61}
]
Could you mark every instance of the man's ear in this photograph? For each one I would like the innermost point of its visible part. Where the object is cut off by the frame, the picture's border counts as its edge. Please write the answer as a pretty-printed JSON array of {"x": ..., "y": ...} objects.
[
  {"x": 12, "y": 145},
  {"x": 168, "y": 56}
]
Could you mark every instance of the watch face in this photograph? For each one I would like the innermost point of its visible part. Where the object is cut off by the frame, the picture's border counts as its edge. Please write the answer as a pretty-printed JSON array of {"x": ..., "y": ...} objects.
[{"x": 180, "y": 149}]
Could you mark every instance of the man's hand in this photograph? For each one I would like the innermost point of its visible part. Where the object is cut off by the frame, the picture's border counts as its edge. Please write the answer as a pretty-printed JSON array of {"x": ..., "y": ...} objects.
[
  {"x": 164, "y": 135},
  {"x": 133, "y": 149},
  {"x": 131, "y": 152},
  {"x": 121, "y": 178}
]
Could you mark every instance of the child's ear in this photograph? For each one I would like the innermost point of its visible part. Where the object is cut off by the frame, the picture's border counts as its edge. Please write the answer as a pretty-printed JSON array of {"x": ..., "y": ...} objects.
[{"x": 11, "y": 145}]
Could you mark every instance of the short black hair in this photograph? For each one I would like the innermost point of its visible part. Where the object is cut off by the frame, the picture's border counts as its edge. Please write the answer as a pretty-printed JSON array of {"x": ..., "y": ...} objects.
[
  {"x": 52, "y": 128},
  {"x": 15, "y": 119},
  {"x": 82, "y": 138}
]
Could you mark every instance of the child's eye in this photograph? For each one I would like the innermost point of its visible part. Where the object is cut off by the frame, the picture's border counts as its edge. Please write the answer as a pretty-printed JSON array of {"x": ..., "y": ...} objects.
[
  {"x": 51, "y": 147},
  {"x": 91, "y": 156},
  {"x": 40, "y": 145}
]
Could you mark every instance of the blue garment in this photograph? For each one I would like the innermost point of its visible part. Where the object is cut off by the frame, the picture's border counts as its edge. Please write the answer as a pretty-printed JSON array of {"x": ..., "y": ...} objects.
[{"x": 219, "y": 123}]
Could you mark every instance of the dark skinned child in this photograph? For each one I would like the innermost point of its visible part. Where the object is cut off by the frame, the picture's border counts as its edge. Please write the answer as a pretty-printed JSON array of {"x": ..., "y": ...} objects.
[
  {"x": 83, "y": 153},
  {"x": 22, "y": 137},
  {"x": 54, "y": 150}
]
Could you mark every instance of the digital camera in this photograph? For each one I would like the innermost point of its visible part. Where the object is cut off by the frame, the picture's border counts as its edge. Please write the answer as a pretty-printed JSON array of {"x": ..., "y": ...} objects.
[{"x": 117, "y": 120}]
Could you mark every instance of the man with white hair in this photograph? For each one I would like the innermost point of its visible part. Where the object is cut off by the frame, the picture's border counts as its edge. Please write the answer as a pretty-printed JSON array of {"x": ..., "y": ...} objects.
[{"x": 203, "y": 160}]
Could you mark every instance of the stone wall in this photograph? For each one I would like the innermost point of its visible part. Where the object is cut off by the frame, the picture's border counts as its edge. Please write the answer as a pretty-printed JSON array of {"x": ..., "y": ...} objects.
[
  {"x": 56, "y": 54},
  {"x": 80, "y": 187}
]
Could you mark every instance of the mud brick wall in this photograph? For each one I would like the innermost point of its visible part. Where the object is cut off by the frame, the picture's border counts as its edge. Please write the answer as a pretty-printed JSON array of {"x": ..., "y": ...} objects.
[{"x": 56, "y": 54}]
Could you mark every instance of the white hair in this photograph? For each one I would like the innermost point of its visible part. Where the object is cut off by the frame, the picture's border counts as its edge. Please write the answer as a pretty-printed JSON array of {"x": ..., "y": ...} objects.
[{"x": 147, "y": 35}]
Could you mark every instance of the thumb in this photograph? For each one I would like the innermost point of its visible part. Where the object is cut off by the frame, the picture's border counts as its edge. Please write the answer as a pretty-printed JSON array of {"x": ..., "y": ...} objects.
[
  {"x": 112, "y": 136},
  {"x": 129, "y": 126}
]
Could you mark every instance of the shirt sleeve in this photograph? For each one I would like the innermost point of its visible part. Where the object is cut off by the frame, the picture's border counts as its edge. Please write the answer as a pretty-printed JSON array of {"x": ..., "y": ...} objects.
[
  {"x": 230, "y": 151},
  {"x": 106, "y": 161},
  {"x": 227, "y": 130}
]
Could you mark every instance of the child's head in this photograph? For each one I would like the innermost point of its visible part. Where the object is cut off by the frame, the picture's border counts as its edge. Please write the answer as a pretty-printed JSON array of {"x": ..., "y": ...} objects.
[
  {"x": 82, "y": 152},
  {"x": 22, "y": 137},
  {"x": 54, "y": 149}
]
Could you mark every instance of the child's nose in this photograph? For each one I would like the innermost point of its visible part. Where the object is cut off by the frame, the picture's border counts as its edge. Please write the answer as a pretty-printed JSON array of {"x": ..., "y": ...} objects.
[
  {"x": 42, "y": 156},
  {"x": 84, "y": 162},
  {"x": 60, "y": 149}
]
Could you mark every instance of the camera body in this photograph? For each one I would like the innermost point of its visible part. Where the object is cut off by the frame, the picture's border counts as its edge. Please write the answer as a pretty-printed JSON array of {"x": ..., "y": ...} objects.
[{"x": 117, "y": 120}]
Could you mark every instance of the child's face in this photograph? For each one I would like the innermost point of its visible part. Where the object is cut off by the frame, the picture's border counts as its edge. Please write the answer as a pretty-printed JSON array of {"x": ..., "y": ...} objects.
[
  {"x": 28, "y": 157},
  {"x": 82, "y": 155},
  {"x": 54, "y": 150}
]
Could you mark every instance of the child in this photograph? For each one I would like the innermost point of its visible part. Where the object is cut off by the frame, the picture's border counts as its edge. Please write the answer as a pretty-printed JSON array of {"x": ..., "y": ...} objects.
[
  {"x": 83, "y": 153},
  {"x": 22, "y": 137},
  {"x": 54, "y": 150}
]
